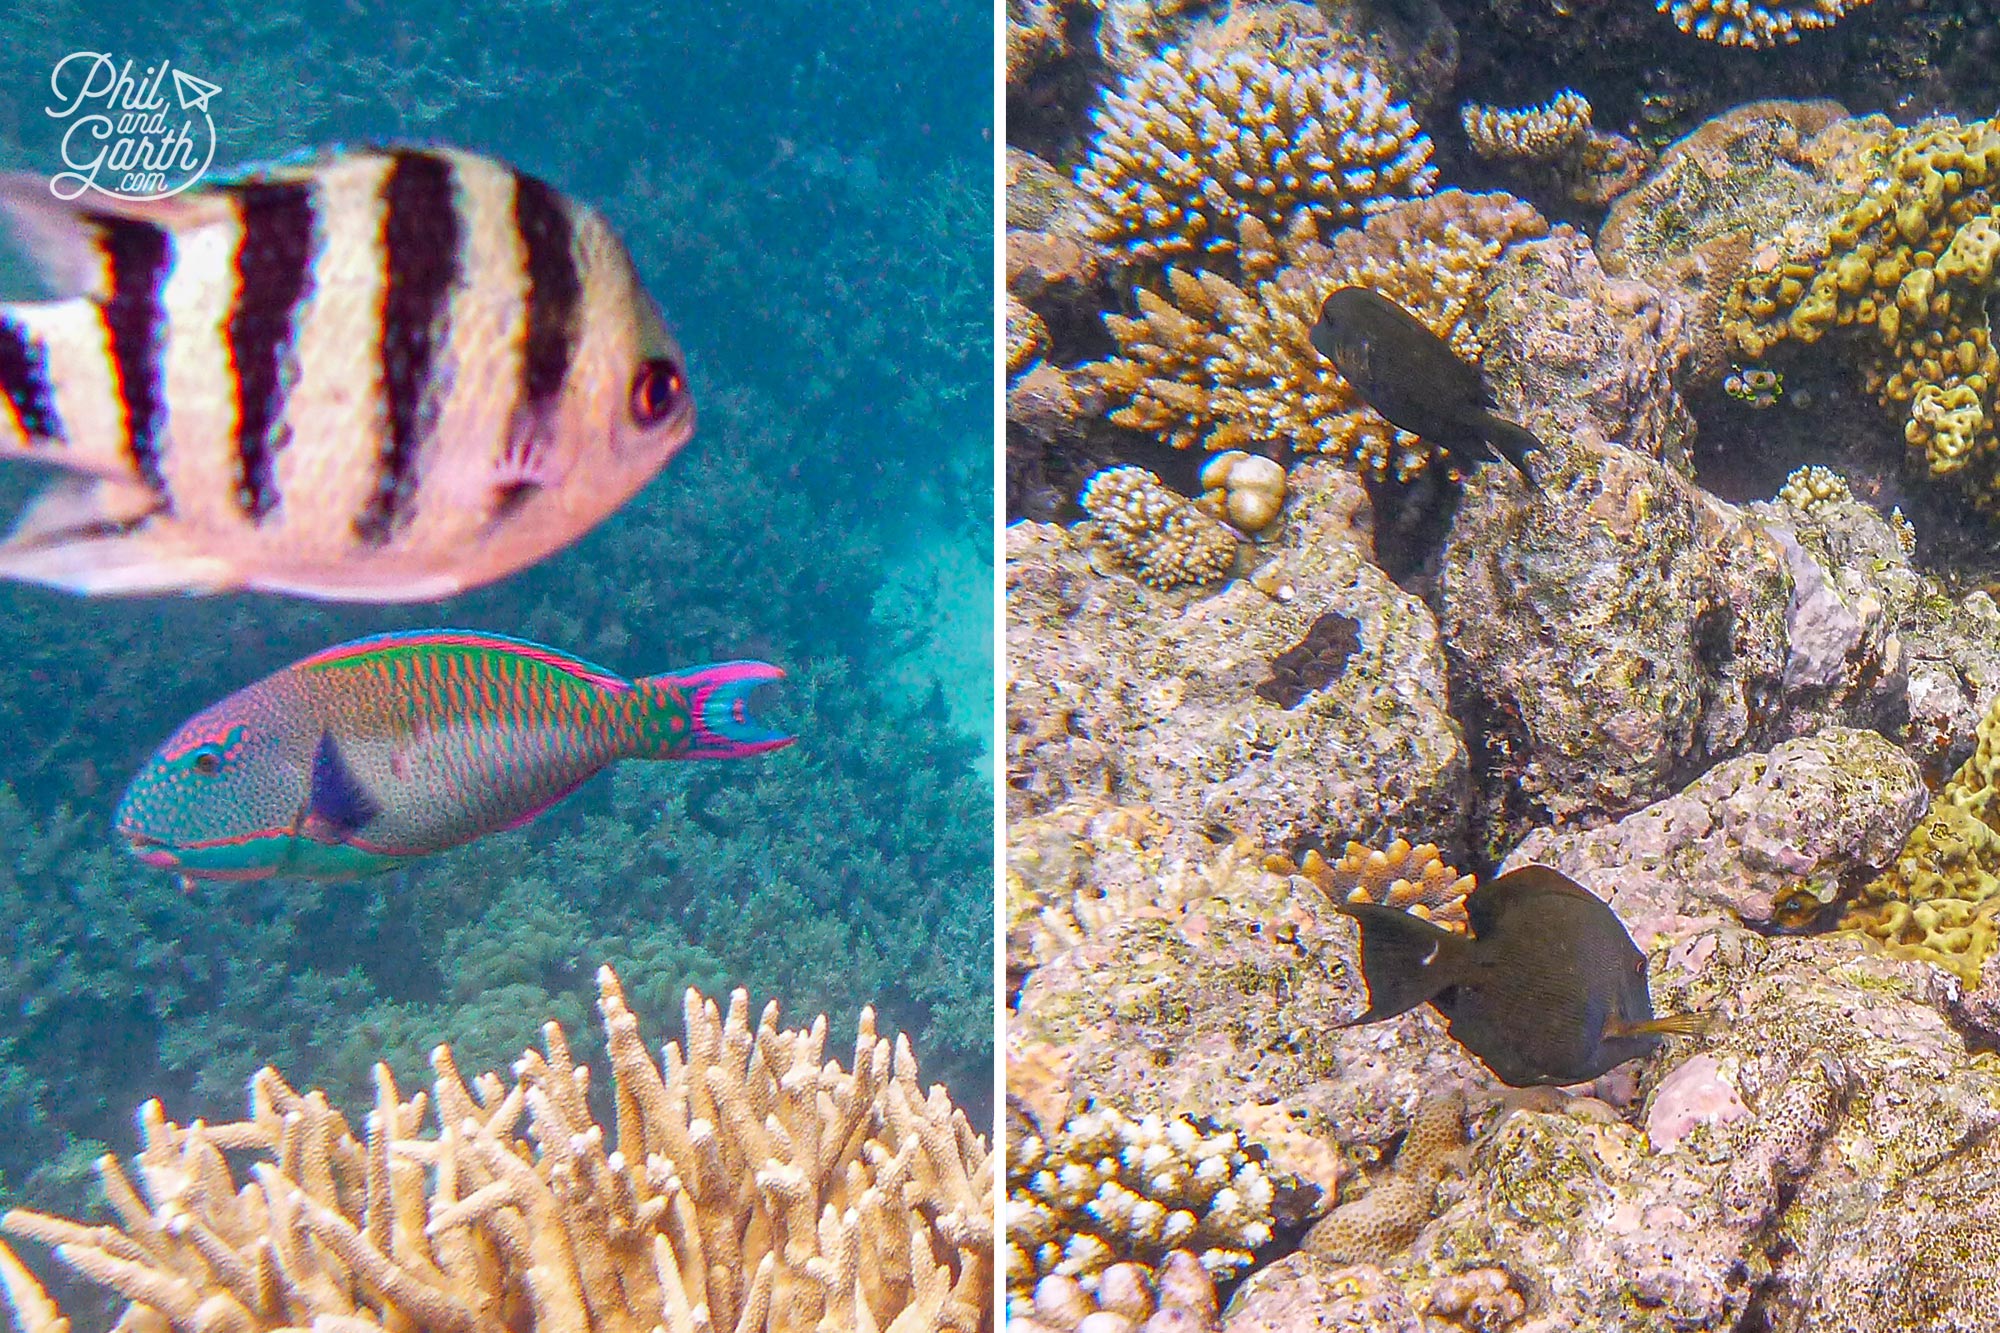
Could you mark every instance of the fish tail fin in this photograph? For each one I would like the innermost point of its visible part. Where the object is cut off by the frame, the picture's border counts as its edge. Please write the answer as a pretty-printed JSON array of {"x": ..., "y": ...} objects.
[
  {"x": 1667, "y": 1025},
  {"x": 704, "y": 713},
  {"x": 1405, "y": 959},
  {"x": 66, "y": 237},
  {"x": 1513, "y": 442}
]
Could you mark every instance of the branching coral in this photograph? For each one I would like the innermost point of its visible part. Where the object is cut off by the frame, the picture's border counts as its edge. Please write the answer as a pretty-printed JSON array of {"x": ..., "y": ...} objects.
[
  {"x": 750, "y": 1187},
  {"x": 1747, "y": 23},
  {"x": 1531, "y": 134},
  {"x": 1157, "y": 533},
  {"x": 1911, "y": 267},
  {"x": 1106, "y": 1189},
  {"x": 1194, "y": 142},
  {"x": 1227, "y": 366},
  {"x": 1413, "y": 879}
]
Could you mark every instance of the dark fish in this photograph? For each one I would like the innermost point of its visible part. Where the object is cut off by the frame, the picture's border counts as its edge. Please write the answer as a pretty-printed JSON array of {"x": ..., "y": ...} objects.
[
  {"x": 1413, "y": 378},
  {"x": 1549, "y": 989}
]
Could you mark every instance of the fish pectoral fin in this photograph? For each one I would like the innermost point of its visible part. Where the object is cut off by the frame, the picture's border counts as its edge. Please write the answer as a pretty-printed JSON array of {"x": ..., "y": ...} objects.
[
  {"x": 337, "y": 804},
  {"x": 63, "y": 235},
  {"x": 1667, "y": 1025},
  {"x": 101, "y": 537}
]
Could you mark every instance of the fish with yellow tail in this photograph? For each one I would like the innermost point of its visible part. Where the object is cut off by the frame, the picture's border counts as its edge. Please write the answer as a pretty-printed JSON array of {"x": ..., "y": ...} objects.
[
  {"x": 1549, "y": 989},
  {"x": 373, "y": 753},
  {"x": 387, "y": 375}
]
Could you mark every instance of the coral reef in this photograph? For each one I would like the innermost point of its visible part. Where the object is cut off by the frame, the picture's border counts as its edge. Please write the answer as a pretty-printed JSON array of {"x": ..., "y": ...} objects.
[
  {"x": 1411, "y": 879},
  {"x": 1748, "y": 23},
  {"x": 1195, "y": 142},
  {"x": 1542, "y": 133},
  {"x": 1158, "y": 534},
  {"x": 1105, "y": 1190},
  {"x": 869, "y": 1206},
  {"x": 1246, "y": 491},
  {"x": 1225, "y": 366},
  {"x": 1114, "y": 690},
  {"x": 1176, "y": 1297},
  {"x": 1909, "y": 268}
]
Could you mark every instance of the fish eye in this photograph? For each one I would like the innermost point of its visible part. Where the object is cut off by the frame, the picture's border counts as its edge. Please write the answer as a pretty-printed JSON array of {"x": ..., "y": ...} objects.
[
  {"x": 207, "y": 761},
  {"x": 656, "y": 391}
]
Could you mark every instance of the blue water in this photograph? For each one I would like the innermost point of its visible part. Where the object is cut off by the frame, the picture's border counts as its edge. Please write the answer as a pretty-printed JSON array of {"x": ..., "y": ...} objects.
[{"x": 807, "y": 191}]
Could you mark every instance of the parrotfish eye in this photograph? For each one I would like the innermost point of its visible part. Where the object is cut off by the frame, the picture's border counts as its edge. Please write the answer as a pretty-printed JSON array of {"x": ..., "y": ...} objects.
[
  {"x": 208, "y": 760},
  {"x": 656, "y": 391}
]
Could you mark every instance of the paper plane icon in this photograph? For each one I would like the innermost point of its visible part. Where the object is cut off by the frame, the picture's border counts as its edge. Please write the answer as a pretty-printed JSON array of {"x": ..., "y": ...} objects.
[{"x": 194, "y": 93}]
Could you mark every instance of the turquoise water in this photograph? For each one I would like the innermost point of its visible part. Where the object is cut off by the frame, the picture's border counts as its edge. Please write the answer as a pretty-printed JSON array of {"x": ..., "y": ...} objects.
[{"x": 807, "y": 191}]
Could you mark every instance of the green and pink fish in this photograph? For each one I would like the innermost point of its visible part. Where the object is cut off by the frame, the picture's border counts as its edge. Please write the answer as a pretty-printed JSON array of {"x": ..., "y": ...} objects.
[{"x": 372, "y": 753}]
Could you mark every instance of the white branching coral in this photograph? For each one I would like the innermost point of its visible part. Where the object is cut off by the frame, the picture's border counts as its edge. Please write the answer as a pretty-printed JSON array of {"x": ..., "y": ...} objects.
[
  {"x": 1194, "y": 141},
  {"x": 1156, "y": 532},
  {"x": 751, "y": 1187},
  {"x": 1543, "y": 133},
  {"x": 1746, "y": 23},
  {"x": 1106, "y": 1190}
]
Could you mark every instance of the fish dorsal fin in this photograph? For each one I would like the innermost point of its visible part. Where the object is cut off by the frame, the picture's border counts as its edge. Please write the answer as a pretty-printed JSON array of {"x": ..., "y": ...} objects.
[
  {"x": 66, "y": 237},
  {"x": 1485, "y": 905},
  {"x": 337, "y": 804},
  {"x": 1405, "y": 959},
  {"x": 377, "y": 646}
]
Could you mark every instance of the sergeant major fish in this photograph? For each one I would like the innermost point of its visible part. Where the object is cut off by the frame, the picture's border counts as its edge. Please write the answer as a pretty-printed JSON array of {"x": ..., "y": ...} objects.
[
  {"x": 1413, "y": 378},
  {"x": 375, "y": 752},
  {"x": 389, "y": 375},
  {"x": 1549, "y": 989}
]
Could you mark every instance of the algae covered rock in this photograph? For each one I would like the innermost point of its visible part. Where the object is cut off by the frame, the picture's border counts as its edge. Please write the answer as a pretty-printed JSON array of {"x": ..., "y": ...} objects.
[
  {"x": 1614, "y": 637},
  {"x": 1763, "y": 838},
  {"x": 1140, "y": 695}
]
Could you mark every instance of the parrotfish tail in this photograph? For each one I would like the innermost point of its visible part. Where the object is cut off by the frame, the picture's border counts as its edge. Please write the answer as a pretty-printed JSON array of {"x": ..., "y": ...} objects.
[
  {"x": 705, "y": 712},
  {"x": 1514, "y": 443}
]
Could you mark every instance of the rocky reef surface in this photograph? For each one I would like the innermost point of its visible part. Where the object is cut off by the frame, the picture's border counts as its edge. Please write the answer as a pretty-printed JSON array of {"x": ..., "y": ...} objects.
[{"x": 1727, "y": 659}]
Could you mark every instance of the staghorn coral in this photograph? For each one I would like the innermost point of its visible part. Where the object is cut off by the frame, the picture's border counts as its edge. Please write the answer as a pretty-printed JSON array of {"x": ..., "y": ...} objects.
[
  {"x": 1543, "y": 133},
  {"x": 1164, "y": 540},
  {"x": 1910, "y": 267},
  {"x": 1194, "y": 142},
  {"x": 1228, "y": 366},
  {"x": 1747, "y": 23},
  {"x": 750, "y": 1186},
  {"x": 1106, "y": 1189},
  {"x": 1413, "y": 879},
  {"x": 1177, "y": 1297}
]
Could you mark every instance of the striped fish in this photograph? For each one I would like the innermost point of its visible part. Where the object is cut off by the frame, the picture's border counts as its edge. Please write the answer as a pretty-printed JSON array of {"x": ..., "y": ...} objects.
[
  {"x": 389, "y": 375},
  {"x": 372, "y": 753}
]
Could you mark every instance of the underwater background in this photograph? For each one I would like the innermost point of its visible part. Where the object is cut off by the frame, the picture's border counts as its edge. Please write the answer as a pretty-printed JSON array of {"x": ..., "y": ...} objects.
[{"x": 808, "y": 194}]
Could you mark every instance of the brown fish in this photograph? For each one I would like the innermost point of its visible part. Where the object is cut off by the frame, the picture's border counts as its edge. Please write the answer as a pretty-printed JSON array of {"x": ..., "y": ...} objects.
[
  {"x": 388, "y": 375},
  {"x": 1549, "y": 989},
  {"x": 1413, "y": 378}
]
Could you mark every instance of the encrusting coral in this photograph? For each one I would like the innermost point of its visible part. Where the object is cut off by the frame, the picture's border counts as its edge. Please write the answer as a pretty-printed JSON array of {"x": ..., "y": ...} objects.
[
  {"x": 1228, "y": 366},
  {"x": 1106, "y": 1189},
  {"x": 1748, "y": 23},
  {"x": 1387, "y": 1218},
  {"x": 1940, "y": 898},
  {"x": 750, "y": 1187},
  {"x": 1533, "y": 133},
  {"x": 1166, "y": 541},
  {"x": 1911, "y": 267},
  {"x": 1196, "y": 141}
]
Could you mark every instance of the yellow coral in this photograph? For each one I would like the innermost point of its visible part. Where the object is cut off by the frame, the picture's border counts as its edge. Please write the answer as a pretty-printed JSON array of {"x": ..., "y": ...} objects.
[
  {"x": 748, "y": 1186},
  {"x": 1910, "y": 268},
  {"x": 1412, "y": 879},
  {"x": 1195, "y": 141},
  {"x": 1533, "y": 133},
  {"x": 1164, "y": 540},
  {"x": 1227, "y": 366},
  {"x": 1747, "y": 23}
]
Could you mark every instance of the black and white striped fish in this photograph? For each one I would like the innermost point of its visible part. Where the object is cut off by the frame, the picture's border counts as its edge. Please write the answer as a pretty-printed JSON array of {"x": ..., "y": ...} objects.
[{"x": 388, "y": 375}]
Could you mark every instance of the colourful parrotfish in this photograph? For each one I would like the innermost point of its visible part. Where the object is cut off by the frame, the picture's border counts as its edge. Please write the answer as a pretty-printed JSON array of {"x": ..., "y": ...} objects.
[
  {"x": 369, "y": 754},
  {"x": 387, "y": 375}
]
